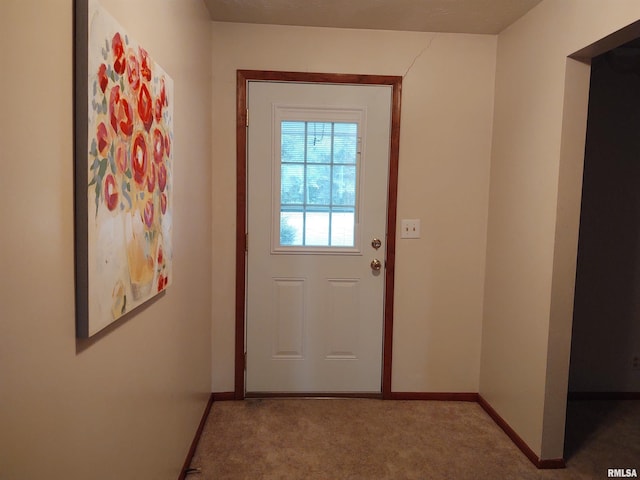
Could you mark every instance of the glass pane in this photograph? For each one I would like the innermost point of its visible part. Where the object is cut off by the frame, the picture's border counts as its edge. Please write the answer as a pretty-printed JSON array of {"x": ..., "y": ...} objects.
[
  {"x": 318, "y": 173},
  {"x": 317, "y": 229},
  {"x": 292, "y": 184},
  {"x": 292, "y": 141},
  {"x": 344, "y": 185},
  {"x": 318, "y": 184},
  {"x": 342, "y": 229},
  {"x": 291, "y": 228},
  {"x": 319, "y": 142},
  {"x": 345, "y": 142}
]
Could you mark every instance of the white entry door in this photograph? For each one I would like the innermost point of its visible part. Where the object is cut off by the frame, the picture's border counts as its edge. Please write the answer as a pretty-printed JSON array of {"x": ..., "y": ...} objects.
[{"x": 317, "y": 173}]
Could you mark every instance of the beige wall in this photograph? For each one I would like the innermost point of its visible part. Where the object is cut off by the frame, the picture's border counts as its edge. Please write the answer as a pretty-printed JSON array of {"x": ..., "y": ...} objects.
[
  {"x": 536, "y": 168},
  {"x": 127, "y": 405},
  {"x": 447, "y": 109}
]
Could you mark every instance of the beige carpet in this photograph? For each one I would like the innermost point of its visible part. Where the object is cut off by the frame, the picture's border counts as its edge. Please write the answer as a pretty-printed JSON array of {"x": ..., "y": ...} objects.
[{"x": 374, "y": 439}]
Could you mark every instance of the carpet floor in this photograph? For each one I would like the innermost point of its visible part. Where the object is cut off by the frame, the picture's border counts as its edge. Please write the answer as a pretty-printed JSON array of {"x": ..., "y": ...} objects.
[{"x": 374, "y": 439}]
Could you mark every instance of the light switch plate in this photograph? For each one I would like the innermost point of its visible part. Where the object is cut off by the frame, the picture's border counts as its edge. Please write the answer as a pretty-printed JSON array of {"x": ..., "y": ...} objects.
[{"x": 410, "y": 228}]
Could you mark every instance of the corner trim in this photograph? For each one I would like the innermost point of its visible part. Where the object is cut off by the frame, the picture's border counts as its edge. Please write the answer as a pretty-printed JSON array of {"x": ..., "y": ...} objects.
[
  {"x": 436, "y": 396},
  {"x": 520, "y": 443},
  {"x": 223, "y": 396},
  {"x": 196, "y": 439}
]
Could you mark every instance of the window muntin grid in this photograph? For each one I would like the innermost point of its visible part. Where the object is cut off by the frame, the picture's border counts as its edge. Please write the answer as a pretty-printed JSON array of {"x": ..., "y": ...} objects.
[{"x": 318, "y": 183}]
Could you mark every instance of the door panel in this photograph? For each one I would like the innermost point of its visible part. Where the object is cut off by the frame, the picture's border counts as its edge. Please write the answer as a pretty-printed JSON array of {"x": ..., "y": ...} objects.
[
  {"x": 342, "y": 327},
  {"x": 314, "y": 315}
]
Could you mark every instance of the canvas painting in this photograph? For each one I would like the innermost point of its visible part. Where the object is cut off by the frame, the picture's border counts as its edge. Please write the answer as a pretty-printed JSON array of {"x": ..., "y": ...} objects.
[{"x": 125, "y": 187}]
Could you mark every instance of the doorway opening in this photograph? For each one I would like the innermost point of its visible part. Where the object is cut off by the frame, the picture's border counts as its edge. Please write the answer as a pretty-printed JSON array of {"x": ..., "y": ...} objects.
[
  {"x": 605, "y": 341},
  {"x": 243, "y": 79}
]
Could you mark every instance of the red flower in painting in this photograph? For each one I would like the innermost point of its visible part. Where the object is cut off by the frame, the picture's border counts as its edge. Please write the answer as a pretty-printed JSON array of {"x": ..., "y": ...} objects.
[
  {"x": 103, "y": 80},
  {"x": 163, "y": 93},
  {"x": 120, "y": 112},
  {"x": 121, "y": 158},
  {"x": 161, "y": 283},
  {"x": 114, "y": 103},
  {"x": 148, "y": 214},
  {"x": 167, "y": 145},
  {"x": 161, "y": 102},
  {"x": 144, "y": 107},
  {"x": 145, "y": 70},
  {"x": 151, "y": 178},
  {"x": 160, "y": 256},
  {"x": 118, "y": 54},
  {"x": 163, "y": 203},
  {"x": 162, "y": 177},
  {"x": 110, "y": 192},
  {"x": 133, "y": 71},
  {"x": 139, "y": 159},
  {"x": 158, "y": 145},
  {"x": 102, "y": 135},
  {"x": 126, "y": 117},
  {"x": 157, "y": 111}
]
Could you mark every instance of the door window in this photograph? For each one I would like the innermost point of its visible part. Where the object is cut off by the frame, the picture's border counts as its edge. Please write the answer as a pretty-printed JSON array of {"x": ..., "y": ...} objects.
[{"x": 317, "y": 184}]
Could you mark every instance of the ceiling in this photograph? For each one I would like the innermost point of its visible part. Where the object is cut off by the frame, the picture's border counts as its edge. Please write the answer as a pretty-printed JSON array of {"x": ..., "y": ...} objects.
[{"x": 454, "y": 16}]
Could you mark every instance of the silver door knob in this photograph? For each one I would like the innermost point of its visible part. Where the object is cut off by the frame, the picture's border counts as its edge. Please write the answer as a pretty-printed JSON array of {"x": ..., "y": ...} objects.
[{"x": 376, "y": 264}]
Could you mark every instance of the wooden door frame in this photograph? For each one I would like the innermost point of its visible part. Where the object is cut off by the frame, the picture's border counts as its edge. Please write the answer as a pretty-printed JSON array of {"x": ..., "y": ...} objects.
[{"x": 242, "y": 79}]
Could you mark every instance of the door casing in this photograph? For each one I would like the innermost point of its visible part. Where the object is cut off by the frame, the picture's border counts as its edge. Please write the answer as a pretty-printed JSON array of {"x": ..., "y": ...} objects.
[{"x": 242, "y": 79}]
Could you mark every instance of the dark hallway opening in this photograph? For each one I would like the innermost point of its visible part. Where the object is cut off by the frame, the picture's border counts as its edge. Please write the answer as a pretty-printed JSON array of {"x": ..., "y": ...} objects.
[{"x": 606, "y": 321}]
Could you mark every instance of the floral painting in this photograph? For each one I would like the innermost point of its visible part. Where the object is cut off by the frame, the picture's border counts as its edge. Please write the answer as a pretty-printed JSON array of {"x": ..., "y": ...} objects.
[{"x": 129, "y": 155}]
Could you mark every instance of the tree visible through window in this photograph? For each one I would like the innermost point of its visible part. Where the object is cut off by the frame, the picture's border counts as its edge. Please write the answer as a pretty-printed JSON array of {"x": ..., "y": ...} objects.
[{"x": 318, "y": 178}]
